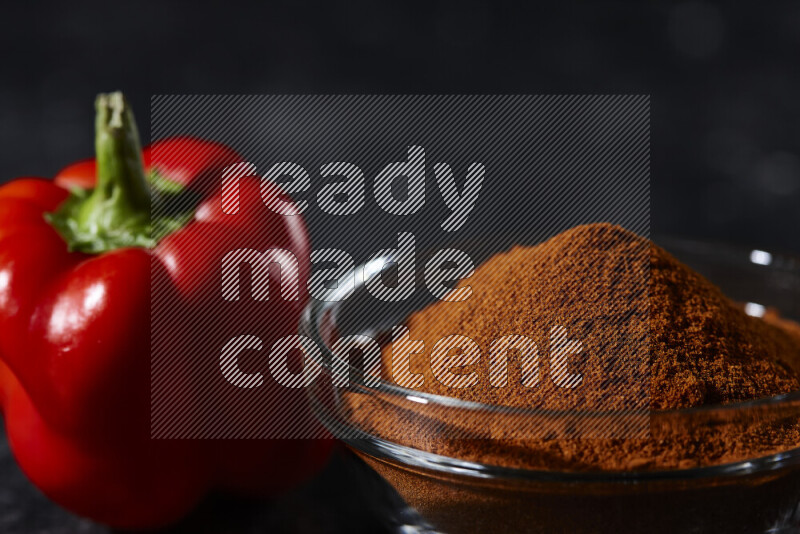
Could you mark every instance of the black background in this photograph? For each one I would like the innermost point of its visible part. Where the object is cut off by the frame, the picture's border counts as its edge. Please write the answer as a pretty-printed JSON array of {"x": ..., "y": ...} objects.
[{"x": 724, "y": 80}]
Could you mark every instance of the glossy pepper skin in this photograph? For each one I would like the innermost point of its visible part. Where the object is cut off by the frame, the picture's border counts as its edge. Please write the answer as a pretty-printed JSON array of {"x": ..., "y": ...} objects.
[{"x": 75, "y": 317}]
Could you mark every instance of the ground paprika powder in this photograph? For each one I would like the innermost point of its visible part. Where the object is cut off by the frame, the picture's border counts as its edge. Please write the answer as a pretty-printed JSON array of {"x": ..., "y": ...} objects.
[{"x": 656, "y": 335}]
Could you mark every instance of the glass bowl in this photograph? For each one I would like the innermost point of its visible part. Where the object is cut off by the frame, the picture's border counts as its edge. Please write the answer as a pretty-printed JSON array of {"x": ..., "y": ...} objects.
[{"x": 750, "y": 495}]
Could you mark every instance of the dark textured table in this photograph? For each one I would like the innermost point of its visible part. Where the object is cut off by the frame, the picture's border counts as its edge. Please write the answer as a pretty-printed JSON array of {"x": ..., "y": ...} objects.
[{"x": 346, "y": 497}]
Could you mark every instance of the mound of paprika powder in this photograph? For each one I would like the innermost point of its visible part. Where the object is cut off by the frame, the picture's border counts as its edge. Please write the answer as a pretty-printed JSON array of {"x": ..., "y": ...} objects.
[{"x": 655, "y": 335}]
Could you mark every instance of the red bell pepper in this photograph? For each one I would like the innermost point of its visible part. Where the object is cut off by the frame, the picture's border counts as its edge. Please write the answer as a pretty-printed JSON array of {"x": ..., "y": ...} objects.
[{"x": 77, "y": 257}]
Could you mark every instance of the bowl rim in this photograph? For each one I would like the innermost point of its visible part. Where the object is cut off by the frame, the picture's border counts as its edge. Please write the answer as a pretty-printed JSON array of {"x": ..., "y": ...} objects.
[
  {"x": 381, "y": 448},
  {"x": 410, "y": 456}
]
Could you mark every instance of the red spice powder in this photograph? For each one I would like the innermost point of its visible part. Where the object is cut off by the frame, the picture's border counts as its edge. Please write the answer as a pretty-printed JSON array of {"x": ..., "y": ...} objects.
[{"x": 654, "y": 335}]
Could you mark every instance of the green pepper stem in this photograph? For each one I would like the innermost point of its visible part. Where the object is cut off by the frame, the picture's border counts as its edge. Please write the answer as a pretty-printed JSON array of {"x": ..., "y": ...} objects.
[
  {"x": 121, "y": 191},
  {"x": 116, "y": 213}
]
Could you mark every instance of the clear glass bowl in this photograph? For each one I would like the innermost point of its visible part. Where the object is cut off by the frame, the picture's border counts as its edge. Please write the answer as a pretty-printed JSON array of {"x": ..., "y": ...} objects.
[{"x": 750, "y": 495}]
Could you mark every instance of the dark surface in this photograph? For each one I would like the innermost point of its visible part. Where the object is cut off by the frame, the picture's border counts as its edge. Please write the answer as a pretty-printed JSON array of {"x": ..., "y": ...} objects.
[{"x": 346, "y": 497}]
